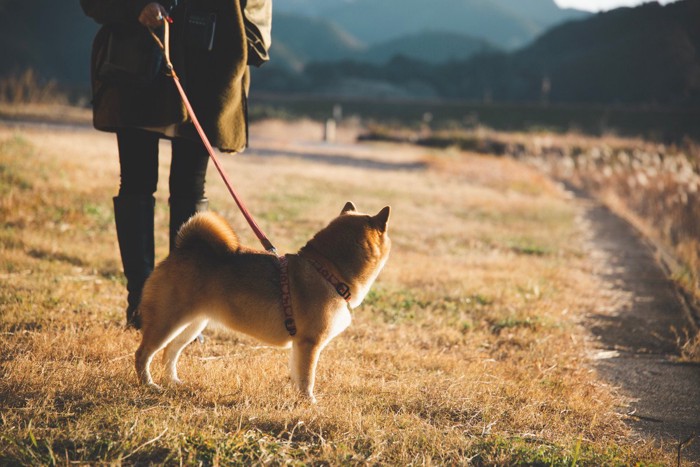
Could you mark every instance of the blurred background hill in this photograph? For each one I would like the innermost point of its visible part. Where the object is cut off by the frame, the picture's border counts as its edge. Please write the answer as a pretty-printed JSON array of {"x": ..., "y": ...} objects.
[
  {"x": 496, "y": 52},
  {"x": 644, "y": 55},
  {"x": 505, "y": 23},
  {"x": 52, "y": 38}
]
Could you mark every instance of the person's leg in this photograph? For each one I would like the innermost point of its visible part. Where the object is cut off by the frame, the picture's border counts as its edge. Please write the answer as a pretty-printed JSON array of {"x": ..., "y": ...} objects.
[
  {"x": 133, "y": 212},
  {"x": 188, "y": 172}
]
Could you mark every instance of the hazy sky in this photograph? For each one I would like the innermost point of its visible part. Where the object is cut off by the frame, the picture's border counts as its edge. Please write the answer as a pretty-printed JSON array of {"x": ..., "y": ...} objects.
[{"x": 598, "y": 5}]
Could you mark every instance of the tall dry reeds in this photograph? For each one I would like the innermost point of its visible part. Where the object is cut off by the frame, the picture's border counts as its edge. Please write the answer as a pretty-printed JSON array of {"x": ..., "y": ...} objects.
[
  {"x": 27, "y": 87},
  {"x": 657, "y": 186}
]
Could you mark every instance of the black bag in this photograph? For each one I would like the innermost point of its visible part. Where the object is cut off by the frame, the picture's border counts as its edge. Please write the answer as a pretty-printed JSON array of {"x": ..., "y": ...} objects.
[{"x": 132, "y": 57}]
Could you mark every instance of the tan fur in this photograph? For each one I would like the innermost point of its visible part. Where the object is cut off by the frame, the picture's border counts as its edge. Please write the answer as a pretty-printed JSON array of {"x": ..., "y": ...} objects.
[
  {"x": 210, "y": 277},
  {"x": 211, "y": 229}
]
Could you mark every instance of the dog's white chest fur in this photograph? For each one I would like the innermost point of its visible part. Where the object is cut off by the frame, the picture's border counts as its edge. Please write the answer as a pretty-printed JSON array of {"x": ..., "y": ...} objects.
[
  {"x": 363, "y": 290},
  {"x": 340, "y": 323}
]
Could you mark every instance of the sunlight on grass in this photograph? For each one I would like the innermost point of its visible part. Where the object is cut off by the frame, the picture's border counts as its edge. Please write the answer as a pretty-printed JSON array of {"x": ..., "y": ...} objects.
[{"x": 467, "y": 350}]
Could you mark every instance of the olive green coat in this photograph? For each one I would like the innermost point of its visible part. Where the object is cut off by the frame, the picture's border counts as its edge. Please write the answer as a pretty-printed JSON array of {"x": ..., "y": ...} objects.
[{"x": 215, "y": 81}]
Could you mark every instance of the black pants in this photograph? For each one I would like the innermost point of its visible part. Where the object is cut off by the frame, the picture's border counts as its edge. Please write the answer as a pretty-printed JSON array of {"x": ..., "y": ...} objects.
[{"x": 138, "y": 161}]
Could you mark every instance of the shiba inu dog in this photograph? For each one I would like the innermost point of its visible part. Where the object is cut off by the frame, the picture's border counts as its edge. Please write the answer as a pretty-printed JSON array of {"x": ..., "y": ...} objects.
[{"x": 301, "y": 300}]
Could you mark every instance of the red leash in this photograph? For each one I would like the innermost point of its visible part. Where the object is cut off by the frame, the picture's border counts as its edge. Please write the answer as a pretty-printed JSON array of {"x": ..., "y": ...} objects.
[{"x": 165, "y": 47}]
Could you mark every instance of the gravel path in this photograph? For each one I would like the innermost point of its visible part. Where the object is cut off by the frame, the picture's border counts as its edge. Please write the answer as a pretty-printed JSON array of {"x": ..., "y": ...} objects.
[{"x": 637, "y": 330}]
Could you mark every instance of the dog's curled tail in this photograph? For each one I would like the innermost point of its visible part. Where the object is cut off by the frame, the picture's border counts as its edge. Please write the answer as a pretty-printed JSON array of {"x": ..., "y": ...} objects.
[{"x": 209, "y": 229}]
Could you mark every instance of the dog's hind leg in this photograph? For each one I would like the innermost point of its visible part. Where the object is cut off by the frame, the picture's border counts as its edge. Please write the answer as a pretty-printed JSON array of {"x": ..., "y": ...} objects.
[
  {"x": 177, "y": 345},
  {"x": 155, "y": 337}
]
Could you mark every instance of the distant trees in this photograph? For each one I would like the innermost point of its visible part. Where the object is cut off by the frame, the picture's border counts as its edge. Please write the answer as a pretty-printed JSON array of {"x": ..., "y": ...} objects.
[{"x": 644, "y": 55}]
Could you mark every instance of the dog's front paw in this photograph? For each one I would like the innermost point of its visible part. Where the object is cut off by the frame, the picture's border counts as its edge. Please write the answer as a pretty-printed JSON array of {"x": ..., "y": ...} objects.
[
  {"x": 309, "y": 397},
  {"x": 175, "y": 382},
  {"x": 155, "y": 388}
]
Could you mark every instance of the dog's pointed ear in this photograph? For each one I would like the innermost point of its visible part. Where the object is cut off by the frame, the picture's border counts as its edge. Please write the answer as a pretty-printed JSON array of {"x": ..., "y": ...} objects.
[
  {"x": 349, "y": 207},
  {"x": 381, "y": 220}
]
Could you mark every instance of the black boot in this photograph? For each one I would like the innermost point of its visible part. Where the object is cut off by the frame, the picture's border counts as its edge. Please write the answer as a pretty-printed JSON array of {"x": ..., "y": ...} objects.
[
  {"x": 134, "y": 218},
  {"x": 181, "y": 209}
]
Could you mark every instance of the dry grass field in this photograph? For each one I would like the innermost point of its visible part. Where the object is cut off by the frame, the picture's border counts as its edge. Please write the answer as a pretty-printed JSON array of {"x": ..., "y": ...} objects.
[
  {"x": 653, "y": 186},
  {"x": 469, "y": 350}
]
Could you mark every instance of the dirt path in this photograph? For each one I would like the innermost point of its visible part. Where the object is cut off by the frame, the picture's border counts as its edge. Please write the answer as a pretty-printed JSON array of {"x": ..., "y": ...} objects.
[{"x": 637, "y": 333}]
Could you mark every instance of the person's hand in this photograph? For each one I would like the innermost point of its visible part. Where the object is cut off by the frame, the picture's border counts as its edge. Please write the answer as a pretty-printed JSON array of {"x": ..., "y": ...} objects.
[{"x": 152, "y": 15}]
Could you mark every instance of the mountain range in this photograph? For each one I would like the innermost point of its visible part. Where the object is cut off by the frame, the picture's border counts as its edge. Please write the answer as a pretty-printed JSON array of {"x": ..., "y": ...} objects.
[
  {"x": 298, "y": 40},
  {"x": 649, "y": 54},
  {"x": 377, "y": 30},
  {"x": 505, "y": 23},
  {"x": 54, "y": 38},
  {"x": 500, "y": 50}
]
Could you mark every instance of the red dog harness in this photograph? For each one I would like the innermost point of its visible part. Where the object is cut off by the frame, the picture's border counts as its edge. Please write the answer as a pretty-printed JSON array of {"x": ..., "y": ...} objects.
[{"x": 340, "y": 287}]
